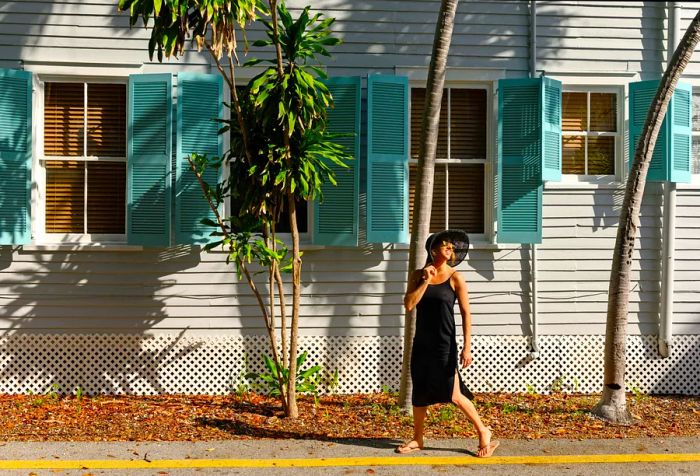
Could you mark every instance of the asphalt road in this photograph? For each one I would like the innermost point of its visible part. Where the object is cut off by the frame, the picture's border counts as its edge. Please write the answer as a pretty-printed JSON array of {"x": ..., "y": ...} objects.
[{"x": 669, "y": 456}]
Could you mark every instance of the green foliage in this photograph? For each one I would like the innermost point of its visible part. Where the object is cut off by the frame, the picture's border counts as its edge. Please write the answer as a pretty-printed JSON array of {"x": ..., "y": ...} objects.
[
  {"x": 333, "y": 381},
  {"x": 639, "y": 395},
  {"x": 53, "y": 391},
  {"x": 559, "y": 384},
  {"x": 176, "y": 20},
  {"x": 280, "y": 110},
  {"x": 280, "y": 148},
  {"x": 307, "y": 380},
  {"x": 530, "y": 389}
]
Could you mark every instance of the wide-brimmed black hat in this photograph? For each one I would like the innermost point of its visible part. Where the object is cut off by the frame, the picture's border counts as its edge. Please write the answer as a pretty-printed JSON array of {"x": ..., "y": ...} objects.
[{"x": 458, "y": 238}]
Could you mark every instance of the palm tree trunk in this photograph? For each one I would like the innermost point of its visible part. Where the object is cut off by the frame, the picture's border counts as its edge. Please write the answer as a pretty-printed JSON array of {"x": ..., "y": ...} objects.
[
  {"x": 426, "y": 166},
  {"x": 613, "y": 405}
]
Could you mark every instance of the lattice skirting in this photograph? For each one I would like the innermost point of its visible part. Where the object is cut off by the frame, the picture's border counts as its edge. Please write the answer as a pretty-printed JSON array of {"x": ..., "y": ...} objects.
[{"x": 160, "y": 364}]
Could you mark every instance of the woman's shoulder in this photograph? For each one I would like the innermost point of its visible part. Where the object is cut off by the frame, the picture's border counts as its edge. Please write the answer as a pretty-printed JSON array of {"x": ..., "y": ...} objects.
[{"x": 456, "y": 276}]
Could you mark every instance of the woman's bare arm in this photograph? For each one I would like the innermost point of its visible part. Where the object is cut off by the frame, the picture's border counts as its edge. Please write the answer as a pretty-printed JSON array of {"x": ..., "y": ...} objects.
[
  {"x": 417, "y": 284},
  {"x": 463, "y": 298}
]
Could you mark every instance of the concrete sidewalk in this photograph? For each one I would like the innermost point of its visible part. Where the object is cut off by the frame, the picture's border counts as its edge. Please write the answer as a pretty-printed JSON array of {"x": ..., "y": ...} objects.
[{"x": 310, "y": 457}]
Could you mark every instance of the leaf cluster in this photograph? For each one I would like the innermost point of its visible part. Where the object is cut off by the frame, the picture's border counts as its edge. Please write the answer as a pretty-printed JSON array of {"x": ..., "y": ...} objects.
[
  {"x": 307, "y": 380},
  {"x": 287, "y": 147},
  {"x": 176, "y": 20}
]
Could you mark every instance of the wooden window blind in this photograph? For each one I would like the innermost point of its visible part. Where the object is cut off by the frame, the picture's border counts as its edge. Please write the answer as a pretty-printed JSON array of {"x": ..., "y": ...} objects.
[
  {"x": 468, "y": 124},
  {"x": 589, "y": 126},
  {"x": 64, "y": 118},
  {"x": 84, "y": 124},
  {"x": 106, "y": 120},
  {"x": 107, "y": 197},
  {"x": 65, "y": 196},
  {"x": 458, "y": 187}
]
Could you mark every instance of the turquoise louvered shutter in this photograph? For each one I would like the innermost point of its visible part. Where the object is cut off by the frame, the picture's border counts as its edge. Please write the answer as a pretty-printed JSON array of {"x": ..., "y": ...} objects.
[
  {"x": 641, "y": 94},
  {"x": 520, "y": 161},
  {"x": 149, "y": 151},
  {"x": 336, "y": 218},
  {"x": 199, "y": 105},
  {"x": 671, "y": 157},
  {"x": 551, "y": 129},
  {"x": 387, "y": 159},
  {"x": 15, "y": 156},
  {"x": 681, "y": 133}
]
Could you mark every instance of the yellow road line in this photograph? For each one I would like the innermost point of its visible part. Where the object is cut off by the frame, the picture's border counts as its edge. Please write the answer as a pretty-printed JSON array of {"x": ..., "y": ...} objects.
[{"x": 350, "y": 461}]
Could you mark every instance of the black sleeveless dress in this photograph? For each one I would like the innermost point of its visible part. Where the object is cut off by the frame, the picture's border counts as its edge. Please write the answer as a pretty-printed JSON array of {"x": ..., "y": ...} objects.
[{"x": 434, "y": 355}]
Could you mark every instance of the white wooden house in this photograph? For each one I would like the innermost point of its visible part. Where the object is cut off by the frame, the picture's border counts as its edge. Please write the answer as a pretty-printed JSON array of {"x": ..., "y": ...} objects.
[{"x": 114, "y": 295}]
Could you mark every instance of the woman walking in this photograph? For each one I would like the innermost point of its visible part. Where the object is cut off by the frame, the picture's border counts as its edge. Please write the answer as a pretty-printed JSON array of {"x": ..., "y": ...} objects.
[{"x": 433, "y": 290}]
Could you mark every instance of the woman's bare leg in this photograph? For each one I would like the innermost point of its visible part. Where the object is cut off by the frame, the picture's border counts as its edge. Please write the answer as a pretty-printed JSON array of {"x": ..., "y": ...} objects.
[
  {"x": 419, "y": 414},
  {"x": 469, "y": 410}
]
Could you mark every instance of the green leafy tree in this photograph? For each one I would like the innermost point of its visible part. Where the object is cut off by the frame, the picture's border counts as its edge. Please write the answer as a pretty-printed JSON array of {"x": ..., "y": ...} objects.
[{"x": 280, "y": 150}]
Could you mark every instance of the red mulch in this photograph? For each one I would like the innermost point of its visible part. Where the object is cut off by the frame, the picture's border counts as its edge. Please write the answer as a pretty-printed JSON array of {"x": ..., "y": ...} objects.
[{"x": 188, "y": 417}]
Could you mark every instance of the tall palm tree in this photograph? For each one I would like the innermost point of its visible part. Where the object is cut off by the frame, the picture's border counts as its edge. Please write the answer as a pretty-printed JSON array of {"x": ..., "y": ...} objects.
[
  {"x": 426, "y": 165},
  {"x": 613, "y": 405}
]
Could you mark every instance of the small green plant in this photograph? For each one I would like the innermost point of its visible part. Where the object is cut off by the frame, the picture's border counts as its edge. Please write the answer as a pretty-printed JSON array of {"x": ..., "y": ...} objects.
[
  {"x": 560, "y": 384},
  {"x": 52, "y": 391},
  {"x": 241, "y": 387},
  {"x": 388, "y": 391},
  {"x": 333, "y": 381},
  {"x": 530, "y": 389},
  {"x": 307, "y": 380},
  {"x": 444, "y": 414},
  {"x": 639, "y": 395},
  {"x": 557, "y": 385},
  {"x": 78, "y": 393},
  {"x": 509, "y": 408},
  {"x": 35, "y": 402}
]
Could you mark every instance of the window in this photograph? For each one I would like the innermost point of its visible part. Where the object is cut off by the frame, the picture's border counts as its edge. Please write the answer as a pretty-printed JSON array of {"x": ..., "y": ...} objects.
[
  {"x": 695, "y": 159},
  {"x": 458, "y": 191},
  {"x": 590, "y": 132},
  {"x": 84, "y": 158}
]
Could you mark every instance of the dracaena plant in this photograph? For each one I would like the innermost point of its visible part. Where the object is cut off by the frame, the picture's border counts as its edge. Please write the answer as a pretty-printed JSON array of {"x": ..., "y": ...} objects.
[{"x": 280, "y": 149}]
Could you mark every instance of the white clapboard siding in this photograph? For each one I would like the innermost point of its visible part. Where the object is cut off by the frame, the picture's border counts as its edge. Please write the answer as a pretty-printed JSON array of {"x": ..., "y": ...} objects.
[{"x": 358, "y": 292}]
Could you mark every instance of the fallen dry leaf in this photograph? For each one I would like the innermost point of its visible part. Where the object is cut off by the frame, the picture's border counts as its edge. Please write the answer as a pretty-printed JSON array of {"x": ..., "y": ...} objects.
[{"x": 200, "y": 417}]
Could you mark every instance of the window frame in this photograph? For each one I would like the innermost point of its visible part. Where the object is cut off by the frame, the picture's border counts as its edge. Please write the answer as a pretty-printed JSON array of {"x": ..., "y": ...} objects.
[
  {"x": 694, "y": 177},
  {"x": 620, "y": 154},
  {"x": 39, "y": 168},
  {"x": 489, "y": 204}
]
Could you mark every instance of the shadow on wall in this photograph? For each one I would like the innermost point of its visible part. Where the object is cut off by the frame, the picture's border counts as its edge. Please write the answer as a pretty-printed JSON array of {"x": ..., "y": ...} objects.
[
  {"x": 71, "y": 292},
  {"x": 82, "y": 319},
  {"x": 675, "y": 374}
]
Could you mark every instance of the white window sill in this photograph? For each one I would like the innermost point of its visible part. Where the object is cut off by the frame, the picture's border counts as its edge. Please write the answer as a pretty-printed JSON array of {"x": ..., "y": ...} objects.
[
  {"x": 585, "y": 184},
  {"x": 81, "y": 247},
  {"x": 473, "y": 245}
]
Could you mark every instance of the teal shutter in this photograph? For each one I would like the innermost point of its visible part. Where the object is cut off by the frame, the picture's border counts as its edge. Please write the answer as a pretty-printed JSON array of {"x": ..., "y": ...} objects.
[
  {"x": 671, "y": 157},
  {"x": 199, "y": 104},
  {"x": 15, "y": 156},
  {"x": 682, "y": 133},
  {"x": 336, "y": 218},
  {"x": 641, "y": 94},
  {"x": 520, "y": 142},
  {"x": 551, "y": 130},
  {"x": 149, "y": 151},
  {"x": 387, "y": 159}
]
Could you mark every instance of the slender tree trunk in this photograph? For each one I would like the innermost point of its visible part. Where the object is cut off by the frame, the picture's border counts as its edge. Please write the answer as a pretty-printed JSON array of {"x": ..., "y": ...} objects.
[
  {"x": 426, "y": 165},
  {"x": 613, "y": 405},
  {"x": 292, "y": 409}
]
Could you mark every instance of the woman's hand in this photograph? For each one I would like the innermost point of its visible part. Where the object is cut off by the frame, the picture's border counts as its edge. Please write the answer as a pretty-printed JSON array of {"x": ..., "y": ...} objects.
[
  {"x": 429, "y": 272},
  {"x": 466, "y": 358}
]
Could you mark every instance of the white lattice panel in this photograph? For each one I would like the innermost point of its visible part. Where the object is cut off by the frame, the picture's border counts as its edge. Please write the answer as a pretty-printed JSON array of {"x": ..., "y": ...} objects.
[{"x": 138, "y": 364}]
